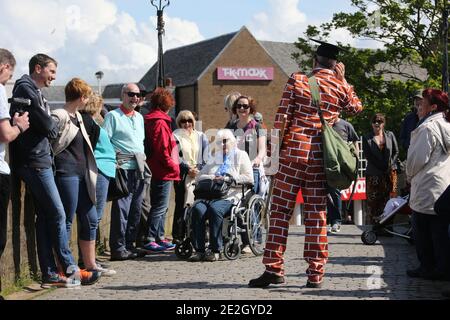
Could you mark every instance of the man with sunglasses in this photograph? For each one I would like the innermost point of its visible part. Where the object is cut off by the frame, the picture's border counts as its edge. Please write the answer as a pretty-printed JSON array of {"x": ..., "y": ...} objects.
[
  {"x": 125, "y": 128},
  {"x": 302, "y": 166}
]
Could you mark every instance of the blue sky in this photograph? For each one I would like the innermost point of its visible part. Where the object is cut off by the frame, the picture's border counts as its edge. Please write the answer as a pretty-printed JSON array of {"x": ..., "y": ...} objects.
[
  {"x": 215, "y": 17},
  {"x": 119, "y": 36}
]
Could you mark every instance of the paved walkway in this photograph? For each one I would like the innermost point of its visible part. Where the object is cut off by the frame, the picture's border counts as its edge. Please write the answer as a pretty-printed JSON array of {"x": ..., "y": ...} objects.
[{"x": 354, "y": 271}]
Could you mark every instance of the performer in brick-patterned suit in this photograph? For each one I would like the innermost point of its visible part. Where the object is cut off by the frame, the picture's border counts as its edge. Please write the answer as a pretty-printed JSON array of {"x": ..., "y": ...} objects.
[{"x": 301, "y": 165}]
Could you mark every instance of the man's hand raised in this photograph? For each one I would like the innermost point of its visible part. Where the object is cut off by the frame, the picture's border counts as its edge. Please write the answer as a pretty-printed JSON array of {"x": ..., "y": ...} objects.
[{"x": 340, "y": 71}]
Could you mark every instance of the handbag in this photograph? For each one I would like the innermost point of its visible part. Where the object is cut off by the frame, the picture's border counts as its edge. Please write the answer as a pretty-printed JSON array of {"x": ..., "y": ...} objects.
[
  {"x": 210, "y": 189},
  {"x": 118, "y": 186},
  {"x": 340, "y": 159}
]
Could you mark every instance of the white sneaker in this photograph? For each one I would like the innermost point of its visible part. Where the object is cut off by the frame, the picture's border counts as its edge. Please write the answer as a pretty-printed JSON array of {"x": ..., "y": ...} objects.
[
  {"x": 246, "y": 250},
  {"x": 105, "y": 272},
  {"x": 336, "y": 228}
]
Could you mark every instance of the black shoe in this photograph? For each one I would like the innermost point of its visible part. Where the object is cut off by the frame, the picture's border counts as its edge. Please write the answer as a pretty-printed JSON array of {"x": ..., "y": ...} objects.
[
  {"x": 81, "y": 265},
  {"x": 89, "y": 277},
  {"x": 140, "y": 253},
  {"x": 123, "y": 255},
  {"x": 315, "y": 285},
  {"x": 265, "y": 280},
  {"x": 416, "y": 273}
]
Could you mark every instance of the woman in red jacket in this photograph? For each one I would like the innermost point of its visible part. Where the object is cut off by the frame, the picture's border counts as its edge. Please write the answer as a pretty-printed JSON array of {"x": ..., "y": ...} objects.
[{"x": 162, "y": 159}]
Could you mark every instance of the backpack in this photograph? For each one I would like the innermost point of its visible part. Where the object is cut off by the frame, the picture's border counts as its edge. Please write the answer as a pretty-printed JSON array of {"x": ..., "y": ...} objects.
[{"x": 340, "y": 158}]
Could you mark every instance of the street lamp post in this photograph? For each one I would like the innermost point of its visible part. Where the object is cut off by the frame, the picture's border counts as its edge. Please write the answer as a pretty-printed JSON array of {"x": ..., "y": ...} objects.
[
  {"x": 160, "y": 6},
  {"x": 99, "y": 76},
  {"x": 445, "y": 72}
]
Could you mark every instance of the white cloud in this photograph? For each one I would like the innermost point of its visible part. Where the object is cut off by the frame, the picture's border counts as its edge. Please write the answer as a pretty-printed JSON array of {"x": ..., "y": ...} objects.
[
  {"x": 283, "y": 21},
  {"x": 87, "y": 37},
  {"x": 342, "y": 36}
]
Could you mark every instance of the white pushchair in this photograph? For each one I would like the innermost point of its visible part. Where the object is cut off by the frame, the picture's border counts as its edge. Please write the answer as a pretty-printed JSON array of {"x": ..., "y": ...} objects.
[{"x": 385, "y": 222}]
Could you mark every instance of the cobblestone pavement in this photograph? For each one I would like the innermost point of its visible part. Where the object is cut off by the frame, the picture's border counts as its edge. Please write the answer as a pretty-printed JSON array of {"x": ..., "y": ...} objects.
[{"x": 354, "y": 271}]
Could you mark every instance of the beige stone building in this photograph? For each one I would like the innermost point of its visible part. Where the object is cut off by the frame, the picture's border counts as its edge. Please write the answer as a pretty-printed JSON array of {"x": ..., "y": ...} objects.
[{"x": 205, "y": 72}]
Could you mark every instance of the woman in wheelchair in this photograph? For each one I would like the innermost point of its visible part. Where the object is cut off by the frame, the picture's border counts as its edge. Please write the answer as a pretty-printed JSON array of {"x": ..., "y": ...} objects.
[{"x": 230, "y": 165}]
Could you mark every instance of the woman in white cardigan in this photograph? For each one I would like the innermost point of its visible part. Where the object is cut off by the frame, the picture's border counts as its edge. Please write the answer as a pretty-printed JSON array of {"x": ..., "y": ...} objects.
[
  {"x": 225, "y": 161},
  {"x": 428, "y": 171}
]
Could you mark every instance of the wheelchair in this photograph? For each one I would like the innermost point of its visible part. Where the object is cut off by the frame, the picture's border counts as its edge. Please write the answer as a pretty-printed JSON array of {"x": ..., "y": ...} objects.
[{"x": 247, "y": 218}]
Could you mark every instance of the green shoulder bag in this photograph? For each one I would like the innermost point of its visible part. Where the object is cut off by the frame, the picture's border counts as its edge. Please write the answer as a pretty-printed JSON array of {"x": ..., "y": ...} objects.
[{"x": 340, "y": 159}]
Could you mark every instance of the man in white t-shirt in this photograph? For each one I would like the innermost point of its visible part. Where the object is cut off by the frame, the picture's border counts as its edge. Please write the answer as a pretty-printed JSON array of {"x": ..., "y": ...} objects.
[{"x": 8, "y": 133}]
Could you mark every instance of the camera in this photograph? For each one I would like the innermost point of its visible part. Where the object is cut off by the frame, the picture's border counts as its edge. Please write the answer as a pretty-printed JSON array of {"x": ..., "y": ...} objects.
[{"x": 19, "y": 104}]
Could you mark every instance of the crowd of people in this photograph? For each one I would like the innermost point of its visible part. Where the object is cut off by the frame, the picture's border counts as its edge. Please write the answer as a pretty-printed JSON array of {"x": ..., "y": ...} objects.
[{"x": 71, "y": 158}]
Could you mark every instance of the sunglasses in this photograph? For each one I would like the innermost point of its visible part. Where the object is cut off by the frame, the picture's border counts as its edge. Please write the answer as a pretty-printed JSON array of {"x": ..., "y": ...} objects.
[
  {"x": 222, "y": 142},
  {"x": 134, "y": 94},
  {"x": 186, "y": 121},
  {"x": 377, "y": 122},
  {"x": 245, "y": 106}
]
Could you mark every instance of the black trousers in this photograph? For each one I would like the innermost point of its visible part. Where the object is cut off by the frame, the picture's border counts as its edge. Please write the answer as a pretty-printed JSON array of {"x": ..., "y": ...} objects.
[
  {"x": 432, "y": 243},
  {"x": 178, "y": 224},
  {"x": 5, "y": 186}
]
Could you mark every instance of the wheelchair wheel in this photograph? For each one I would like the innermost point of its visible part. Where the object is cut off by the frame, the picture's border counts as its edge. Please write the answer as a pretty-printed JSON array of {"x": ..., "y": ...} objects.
[
  {"x": 369, "y": 237},
  {"x": 232, "y": 249},
  {"x": 257, "y": 224},
  {"x": 184, "y": 249}
]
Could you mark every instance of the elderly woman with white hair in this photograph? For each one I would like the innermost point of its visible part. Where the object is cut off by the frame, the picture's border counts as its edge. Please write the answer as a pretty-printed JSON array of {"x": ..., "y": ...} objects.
[{"x": 227, "y": 162}]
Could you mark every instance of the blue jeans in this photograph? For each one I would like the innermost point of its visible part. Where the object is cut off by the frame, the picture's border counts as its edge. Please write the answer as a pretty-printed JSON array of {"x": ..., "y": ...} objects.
[
  {"x": 256, "y": 180},
  {"x": 126, "y": 214},
  {"x": 159, "y": 197},
  {"x": 334, "y": 209},
  {"x": 214, "y": 211},
  {"x": 101, "y": 193},
  {"x": 75, "y": 198},
  {"x": 51, "y": 232}
]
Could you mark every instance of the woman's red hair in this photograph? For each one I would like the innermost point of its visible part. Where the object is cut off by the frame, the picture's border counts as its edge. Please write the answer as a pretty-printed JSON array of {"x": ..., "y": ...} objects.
[
  {"x": 162, "y": 99},
  {"x": 439, "y": 98}
]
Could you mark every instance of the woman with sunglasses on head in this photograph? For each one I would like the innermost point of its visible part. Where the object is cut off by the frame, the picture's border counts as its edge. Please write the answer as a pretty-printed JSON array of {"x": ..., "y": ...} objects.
[
  {"x": 193, "y": 149},
  {"x": 250, "y": 134},
  {"x": 251, "y": 138},
  {"x": 428, "y": 171},
  {"x": 381, "y": 151}
]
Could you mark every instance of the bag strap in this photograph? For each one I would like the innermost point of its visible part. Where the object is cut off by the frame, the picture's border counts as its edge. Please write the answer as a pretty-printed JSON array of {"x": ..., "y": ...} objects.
[{"x": 315, "y": 95}]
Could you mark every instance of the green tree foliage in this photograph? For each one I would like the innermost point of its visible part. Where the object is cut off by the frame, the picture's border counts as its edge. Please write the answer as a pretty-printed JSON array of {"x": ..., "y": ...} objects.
[{"x": 385, "y": 80}]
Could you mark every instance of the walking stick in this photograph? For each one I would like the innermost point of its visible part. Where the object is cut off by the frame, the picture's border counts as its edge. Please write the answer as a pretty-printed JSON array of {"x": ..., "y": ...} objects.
[{"x": 280, "y": 143}]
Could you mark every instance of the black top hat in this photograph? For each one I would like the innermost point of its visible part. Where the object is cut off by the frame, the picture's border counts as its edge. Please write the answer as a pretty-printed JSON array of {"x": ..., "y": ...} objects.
[{"x": 328, "y": 50}]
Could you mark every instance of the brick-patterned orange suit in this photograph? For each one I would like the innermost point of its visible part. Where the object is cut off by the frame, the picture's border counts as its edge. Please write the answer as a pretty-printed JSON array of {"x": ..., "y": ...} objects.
[{"x": 301, "y": 166}]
